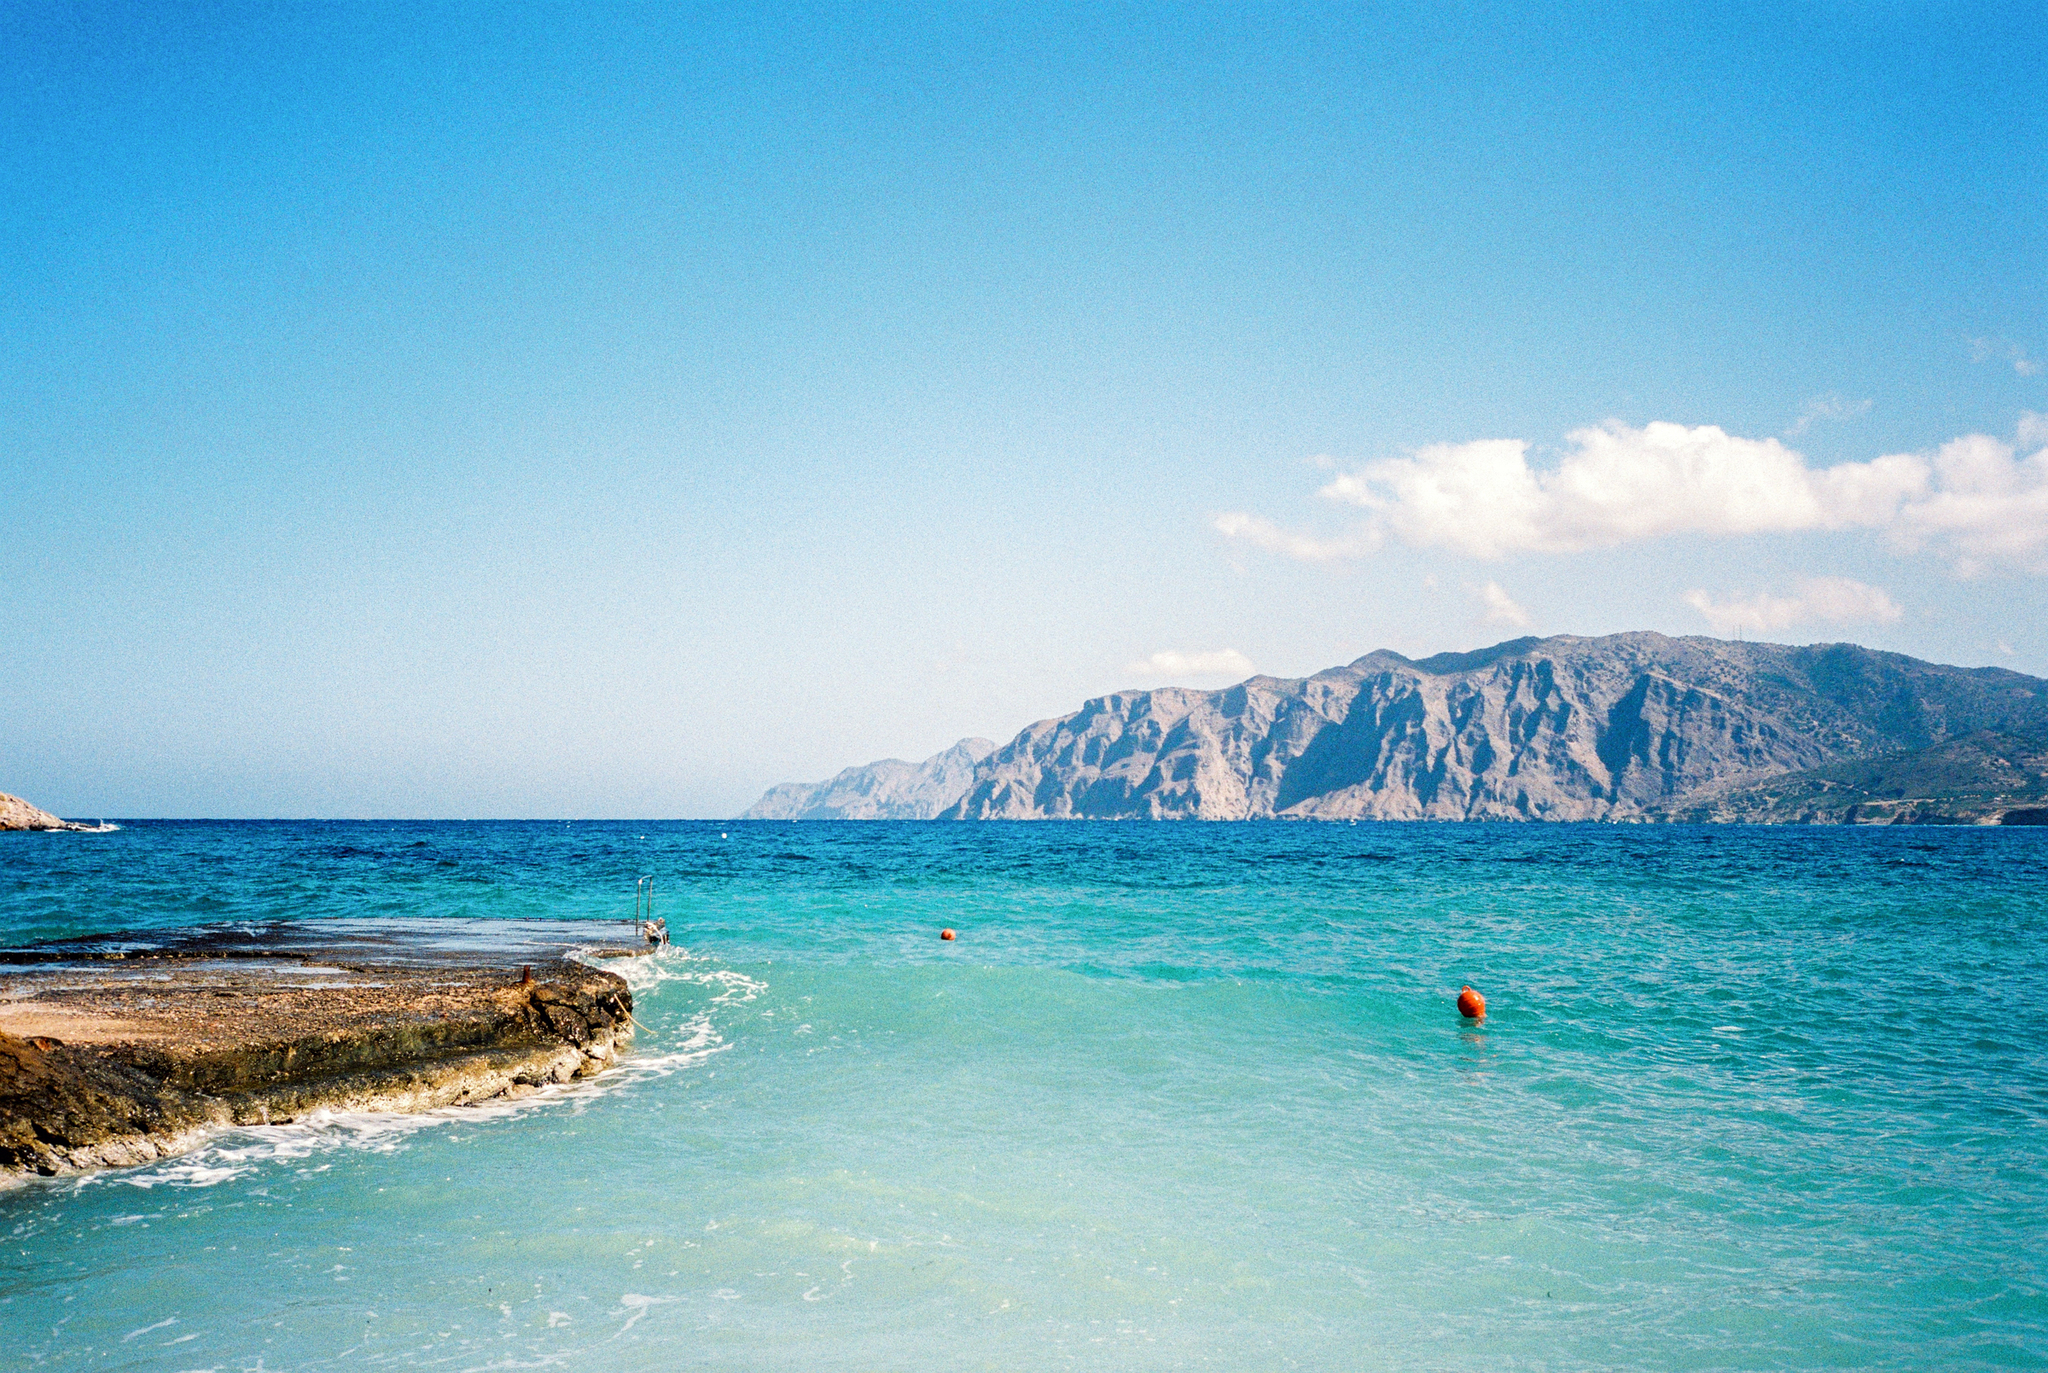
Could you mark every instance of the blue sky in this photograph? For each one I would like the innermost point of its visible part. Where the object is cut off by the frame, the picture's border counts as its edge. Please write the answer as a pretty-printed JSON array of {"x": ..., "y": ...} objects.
[{"x": 606, "y": 410}]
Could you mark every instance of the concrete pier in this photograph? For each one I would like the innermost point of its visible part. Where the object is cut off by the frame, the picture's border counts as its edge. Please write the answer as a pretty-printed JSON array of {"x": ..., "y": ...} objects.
[{"x": 123, "y": 1048}]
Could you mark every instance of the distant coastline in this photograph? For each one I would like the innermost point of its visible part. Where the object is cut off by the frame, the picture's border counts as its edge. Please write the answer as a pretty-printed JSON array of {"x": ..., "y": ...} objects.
[{"x": 1632, "y": 727}]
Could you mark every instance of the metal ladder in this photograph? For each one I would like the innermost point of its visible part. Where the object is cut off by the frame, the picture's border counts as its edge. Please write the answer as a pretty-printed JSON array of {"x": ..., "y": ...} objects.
[{"x": 653, "y": 931}]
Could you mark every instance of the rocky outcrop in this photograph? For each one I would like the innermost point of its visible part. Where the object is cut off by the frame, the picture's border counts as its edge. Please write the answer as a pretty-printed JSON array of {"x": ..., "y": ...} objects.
[
  {"x": 17, "y": 814},
  {"x": 143, "y": 1057},
  {"x": 1624, "y": 727},
  {"x": 887, "y": 790}
]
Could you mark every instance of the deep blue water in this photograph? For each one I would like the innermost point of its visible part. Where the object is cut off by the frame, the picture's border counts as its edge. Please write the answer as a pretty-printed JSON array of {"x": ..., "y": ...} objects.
[{"x": 1180, "y": 1096}]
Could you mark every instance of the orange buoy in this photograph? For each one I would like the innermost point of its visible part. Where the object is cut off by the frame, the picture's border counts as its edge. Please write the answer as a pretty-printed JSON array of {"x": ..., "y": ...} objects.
[
  {"x": 945, "y": 934},
  {"x": 1471, "y": 1005}
]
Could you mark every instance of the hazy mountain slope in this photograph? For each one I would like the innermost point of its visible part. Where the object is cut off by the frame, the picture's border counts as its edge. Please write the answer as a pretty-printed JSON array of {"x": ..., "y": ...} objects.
[
  {"x": 1564, "y": 728},
  {"x": 1975, "y": 779},
  {"x": 887, "y": 790}
]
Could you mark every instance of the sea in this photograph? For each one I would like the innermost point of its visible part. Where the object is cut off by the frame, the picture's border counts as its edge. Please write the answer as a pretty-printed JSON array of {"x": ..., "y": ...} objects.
[{"x": 1178, "y": 1096}]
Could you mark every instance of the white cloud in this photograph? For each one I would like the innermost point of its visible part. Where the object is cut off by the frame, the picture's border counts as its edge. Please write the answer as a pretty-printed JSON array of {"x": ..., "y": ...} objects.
[
  {"x": 1976, "y": 500},
  {"x": 1823, "y": 600},
  {"x": 1617, "y": 485},
  {"x": 2004, "y": 350},
  {"x": 1501, "y": 608},
  {"x": 1828, "y": 407},
  {"x": 1263, "y": 533},
  {"x": 1171, "y": 666},
  {"x": 1991, "y": 506}
]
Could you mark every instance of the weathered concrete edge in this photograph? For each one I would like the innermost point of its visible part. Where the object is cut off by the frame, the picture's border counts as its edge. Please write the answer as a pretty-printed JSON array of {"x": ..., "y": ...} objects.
[
  {"x": 461, "y": 1080},
  {"x": 539, "y": 1046}
]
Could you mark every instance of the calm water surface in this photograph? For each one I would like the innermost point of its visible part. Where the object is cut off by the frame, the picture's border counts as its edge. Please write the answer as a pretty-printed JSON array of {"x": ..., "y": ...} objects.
[{"x": 1181, "y": 1096}]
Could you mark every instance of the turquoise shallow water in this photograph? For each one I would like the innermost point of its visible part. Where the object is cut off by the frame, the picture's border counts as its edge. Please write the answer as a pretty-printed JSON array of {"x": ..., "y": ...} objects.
[{"x": 1181, "y": 1096}]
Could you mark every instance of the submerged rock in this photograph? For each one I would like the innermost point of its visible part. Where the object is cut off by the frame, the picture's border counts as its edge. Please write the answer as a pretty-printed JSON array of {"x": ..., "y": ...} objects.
[{"x": 112, "y": 1056}]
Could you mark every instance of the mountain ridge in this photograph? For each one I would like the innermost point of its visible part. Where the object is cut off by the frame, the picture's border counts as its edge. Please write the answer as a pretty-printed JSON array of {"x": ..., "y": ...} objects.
[
  {"x": 1566, "y": 728},
  {"x": 1622, "y": 727},
  {"x": 887, "y": 789},
  {"x": 1988, "y": 777}
]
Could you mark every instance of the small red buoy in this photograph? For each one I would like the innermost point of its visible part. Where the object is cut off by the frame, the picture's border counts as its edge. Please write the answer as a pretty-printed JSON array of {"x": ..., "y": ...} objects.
[
  {"x": 945, "y": 934},
  {"x": 1471, "y": 1005}
]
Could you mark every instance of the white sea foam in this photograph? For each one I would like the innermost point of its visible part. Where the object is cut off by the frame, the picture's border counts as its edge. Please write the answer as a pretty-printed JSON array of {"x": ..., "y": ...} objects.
[
  {"x": 673, "y": 963},
  {"x": 636, "y": 1304},
  {"x": 661, "y": 1053}
]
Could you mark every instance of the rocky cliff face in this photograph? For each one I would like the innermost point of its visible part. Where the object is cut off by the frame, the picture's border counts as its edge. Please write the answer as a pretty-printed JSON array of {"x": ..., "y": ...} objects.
[
  {"x": 1566, "y": 728},
  {"x": 888, "y": 790}
]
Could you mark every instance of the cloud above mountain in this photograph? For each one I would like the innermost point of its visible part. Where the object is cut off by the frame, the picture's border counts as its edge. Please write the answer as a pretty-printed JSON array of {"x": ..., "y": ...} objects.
[
  {"x": 1818, "y": 600},
  {"x": 1501, "y": 608},
  {"x": 1977, "y": 500},
  {"x": 1988, "y": 506},
  {"x": 1260, "y": 532},
  {"x": 1170, "y": 665}
]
